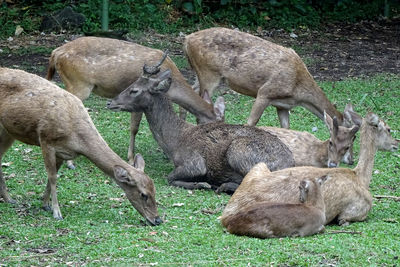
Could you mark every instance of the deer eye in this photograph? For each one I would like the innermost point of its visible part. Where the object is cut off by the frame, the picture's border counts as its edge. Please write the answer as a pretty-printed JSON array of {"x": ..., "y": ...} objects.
[
  {"x": 330, "y": 143},
  {"x": 144, "y": 196},
  {"x": 388, "y": 130},
  {"x": 133, "y": 91}
]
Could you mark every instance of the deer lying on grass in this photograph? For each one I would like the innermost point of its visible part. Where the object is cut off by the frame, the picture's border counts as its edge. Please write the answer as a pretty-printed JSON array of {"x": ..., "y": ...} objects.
[
  {"x": 308, "y": 150},
  {"x": 268, "y": 219},
  {"x": 346, "y": 194},
  {"x": 252, "y": 66},
  {"x": 214, "y": 155},
  {"x": 37, "y": 112},
  {"x": 108, "y": 66}
]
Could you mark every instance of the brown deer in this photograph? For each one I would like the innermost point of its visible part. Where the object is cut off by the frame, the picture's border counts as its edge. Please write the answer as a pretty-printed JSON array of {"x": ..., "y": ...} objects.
[
  {"x": 268, "y": 219},
  {"x": 308, "y": 150},
  {"x": 346, "y": 194},
  {"x": 252, "y": 66},
  {"x": 107, "y": 66},
  {"x": 37, "y": 112},
  {"x": 212, "y": 155}
]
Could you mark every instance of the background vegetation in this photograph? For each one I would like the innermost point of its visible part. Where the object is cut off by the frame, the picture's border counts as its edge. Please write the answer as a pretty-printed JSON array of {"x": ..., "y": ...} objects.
[{"x": 168, "y": 16}]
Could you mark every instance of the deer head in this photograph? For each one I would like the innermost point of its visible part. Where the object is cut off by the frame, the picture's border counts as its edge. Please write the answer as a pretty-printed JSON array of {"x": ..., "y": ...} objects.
[{"x": 340, "y": 142}]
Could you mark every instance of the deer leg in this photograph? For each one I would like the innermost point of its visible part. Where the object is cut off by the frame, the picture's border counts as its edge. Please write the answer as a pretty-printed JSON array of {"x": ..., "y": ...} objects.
[
  {"x": 228, "y": 188},
  {"x": 257, "y": 110},
  {"x": 136, "y": 117},
  {"x": 283, "y": 115},
  {"x": 5, "y": 142},
  {"x": 46, "y": 196},
  {"x": 50, "y": 162},
  {"x": 182, "y": 113},
  {"x": 190, "y": 174}
]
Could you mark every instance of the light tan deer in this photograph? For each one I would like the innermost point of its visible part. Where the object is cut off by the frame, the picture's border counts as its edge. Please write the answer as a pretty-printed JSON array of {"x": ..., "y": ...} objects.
[
  {"x": 252, "y": 66},
  {"x": 346, "y": 194},
  {"x": 269, "y": 219},
  {"x": 37, "y": 112},
  {"x": 107, "y": 66},
  {"x": 308, "y": 150}
]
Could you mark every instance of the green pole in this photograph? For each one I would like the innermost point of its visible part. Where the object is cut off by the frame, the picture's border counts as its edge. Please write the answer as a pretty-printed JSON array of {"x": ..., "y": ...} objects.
[{"x": 104, "y": 17}]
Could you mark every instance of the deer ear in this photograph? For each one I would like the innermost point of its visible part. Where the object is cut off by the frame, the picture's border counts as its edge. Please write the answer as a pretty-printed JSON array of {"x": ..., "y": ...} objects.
[
  {"x": 372, "y": 119},
  {"x": 206, "y": 97},
  {"x": 355, "y": 118},
  {"x": 163, "y": 82},
  {"x": 122, "y": 176},
  {"x": 219, "y": 108},
  {"x": 329, "y": 123},
  {"x": 322, "y": 179},
  {"x": 138, "y": 162}
]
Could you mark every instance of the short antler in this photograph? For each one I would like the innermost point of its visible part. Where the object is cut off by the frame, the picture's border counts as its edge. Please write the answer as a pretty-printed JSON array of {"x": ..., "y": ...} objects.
[{"x": 151, "y": 70}]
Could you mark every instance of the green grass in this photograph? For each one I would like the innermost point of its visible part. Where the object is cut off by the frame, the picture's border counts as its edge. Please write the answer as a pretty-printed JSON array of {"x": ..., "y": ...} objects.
[{"x": 100, "y": 227}]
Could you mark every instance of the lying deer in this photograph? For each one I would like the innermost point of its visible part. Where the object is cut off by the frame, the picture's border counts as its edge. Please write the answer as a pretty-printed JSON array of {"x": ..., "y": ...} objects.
[
  {"x": 268, "y": 219},
  {"x": 107, "y": 66},
  {"x": 346, "y": 194},
  {"x": 37, "y": 112},
  {"x": 308, "y": 150},
  {"x": 252, "y": 66},
  {"x": 214, "y": 155}
]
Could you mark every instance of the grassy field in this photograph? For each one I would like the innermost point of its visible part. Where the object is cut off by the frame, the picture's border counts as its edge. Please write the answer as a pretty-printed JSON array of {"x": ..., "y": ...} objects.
[{"x": 100, "y": 227}]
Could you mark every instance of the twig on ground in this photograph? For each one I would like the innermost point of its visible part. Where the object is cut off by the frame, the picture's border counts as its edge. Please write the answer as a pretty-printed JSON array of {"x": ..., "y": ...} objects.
[
  {"x": 385, "y": 196},
  {"x": 343, "y": 232}
]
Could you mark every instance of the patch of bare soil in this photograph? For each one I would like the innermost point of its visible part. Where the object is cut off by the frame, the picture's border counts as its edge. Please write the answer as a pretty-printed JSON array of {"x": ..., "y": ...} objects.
[{"x": 336, "y": 52}]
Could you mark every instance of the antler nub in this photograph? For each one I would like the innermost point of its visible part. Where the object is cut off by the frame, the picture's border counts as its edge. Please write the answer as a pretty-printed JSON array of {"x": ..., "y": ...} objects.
[{"x": 151, "y": 70}]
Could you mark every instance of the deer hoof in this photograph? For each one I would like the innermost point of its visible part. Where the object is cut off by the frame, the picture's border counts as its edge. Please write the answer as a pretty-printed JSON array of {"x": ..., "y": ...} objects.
[
  {"x": 203, "y": 186},
  {"x": 47, "y": 208},
  {"x": 70, "y": 165}
]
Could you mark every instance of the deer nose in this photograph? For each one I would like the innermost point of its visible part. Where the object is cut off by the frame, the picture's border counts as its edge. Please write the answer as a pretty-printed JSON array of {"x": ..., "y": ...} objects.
[
  {"x": 332, "y": 165},
  {"x": 158, "y": 221}
]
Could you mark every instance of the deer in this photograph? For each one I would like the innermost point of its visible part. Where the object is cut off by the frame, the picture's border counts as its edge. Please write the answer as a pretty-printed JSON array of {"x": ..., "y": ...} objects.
[
  {"x": 308, "y": 150},
  {"x": 270, "y": 219},
  {"x": 346, "y": 194},
  {"x": 272, "y": 74},
  {"x": 37, "y": 112},
  {"x": 107, "y": 66},
  {"x": 208, "y": 156}
]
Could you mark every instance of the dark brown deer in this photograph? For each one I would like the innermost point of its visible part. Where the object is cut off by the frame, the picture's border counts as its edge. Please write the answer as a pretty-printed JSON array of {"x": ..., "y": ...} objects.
[
  {"x": 37, "y": 112},
  {"x": 107, "y": 66},
  {"x": 346, "y": 194},
  {"x": 269, "y": 219},
  {"x": 213, "y": 155}
]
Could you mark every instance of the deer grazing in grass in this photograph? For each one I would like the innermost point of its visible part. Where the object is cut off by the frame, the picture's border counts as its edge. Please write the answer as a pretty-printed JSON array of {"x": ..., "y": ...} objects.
[
  {"x": 252, "y": 66},
  {"x": 269, "y": 219},
  {"x": 213, "y": 155},
  {"x": 107, "y": 66},
  {"x": 308, "y": 150},
  {"x": 346, "y": 194},
  {"x": 37, "y": 112}
]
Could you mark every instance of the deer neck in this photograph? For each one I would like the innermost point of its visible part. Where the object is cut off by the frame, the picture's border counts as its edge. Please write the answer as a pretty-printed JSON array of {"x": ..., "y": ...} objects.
[
  {"x": 367, "y": 154},
  {"x": 316, "y": 101},
  {"x": 166, "y": 126},
  {"x": 183, "y": 94},
  {"x": 93, "y": 146}
]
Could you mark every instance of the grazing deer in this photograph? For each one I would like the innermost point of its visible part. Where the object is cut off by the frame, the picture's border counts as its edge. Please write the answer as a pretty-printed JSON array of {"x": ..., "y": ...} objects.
[
  {"x": 108, "y": 66},
  {"x": 268, "y": 219},
  {"x": 346, "y": 194},
  {"x": 308, "y": 150},
  {"x": 37, "y": 112},
  {"x": 213, "y": 155},
  {"x": 252, "y": 66}
]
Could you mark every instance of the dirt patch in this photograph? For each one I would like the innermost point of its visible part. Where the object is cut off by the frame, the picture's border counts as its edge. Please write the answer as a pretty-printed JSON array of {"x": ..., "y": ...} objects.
[{"x": 336, "y": 52}]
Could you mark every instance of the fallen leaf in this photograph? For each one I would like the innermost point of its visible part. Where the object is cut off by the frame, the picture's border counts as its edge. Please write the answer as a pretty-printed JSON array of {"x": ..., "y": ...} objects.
[
  {"x": 6, "y": 164},
  {"x": 153, "y": 233},
  {"x": 178, "y": 204}
]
